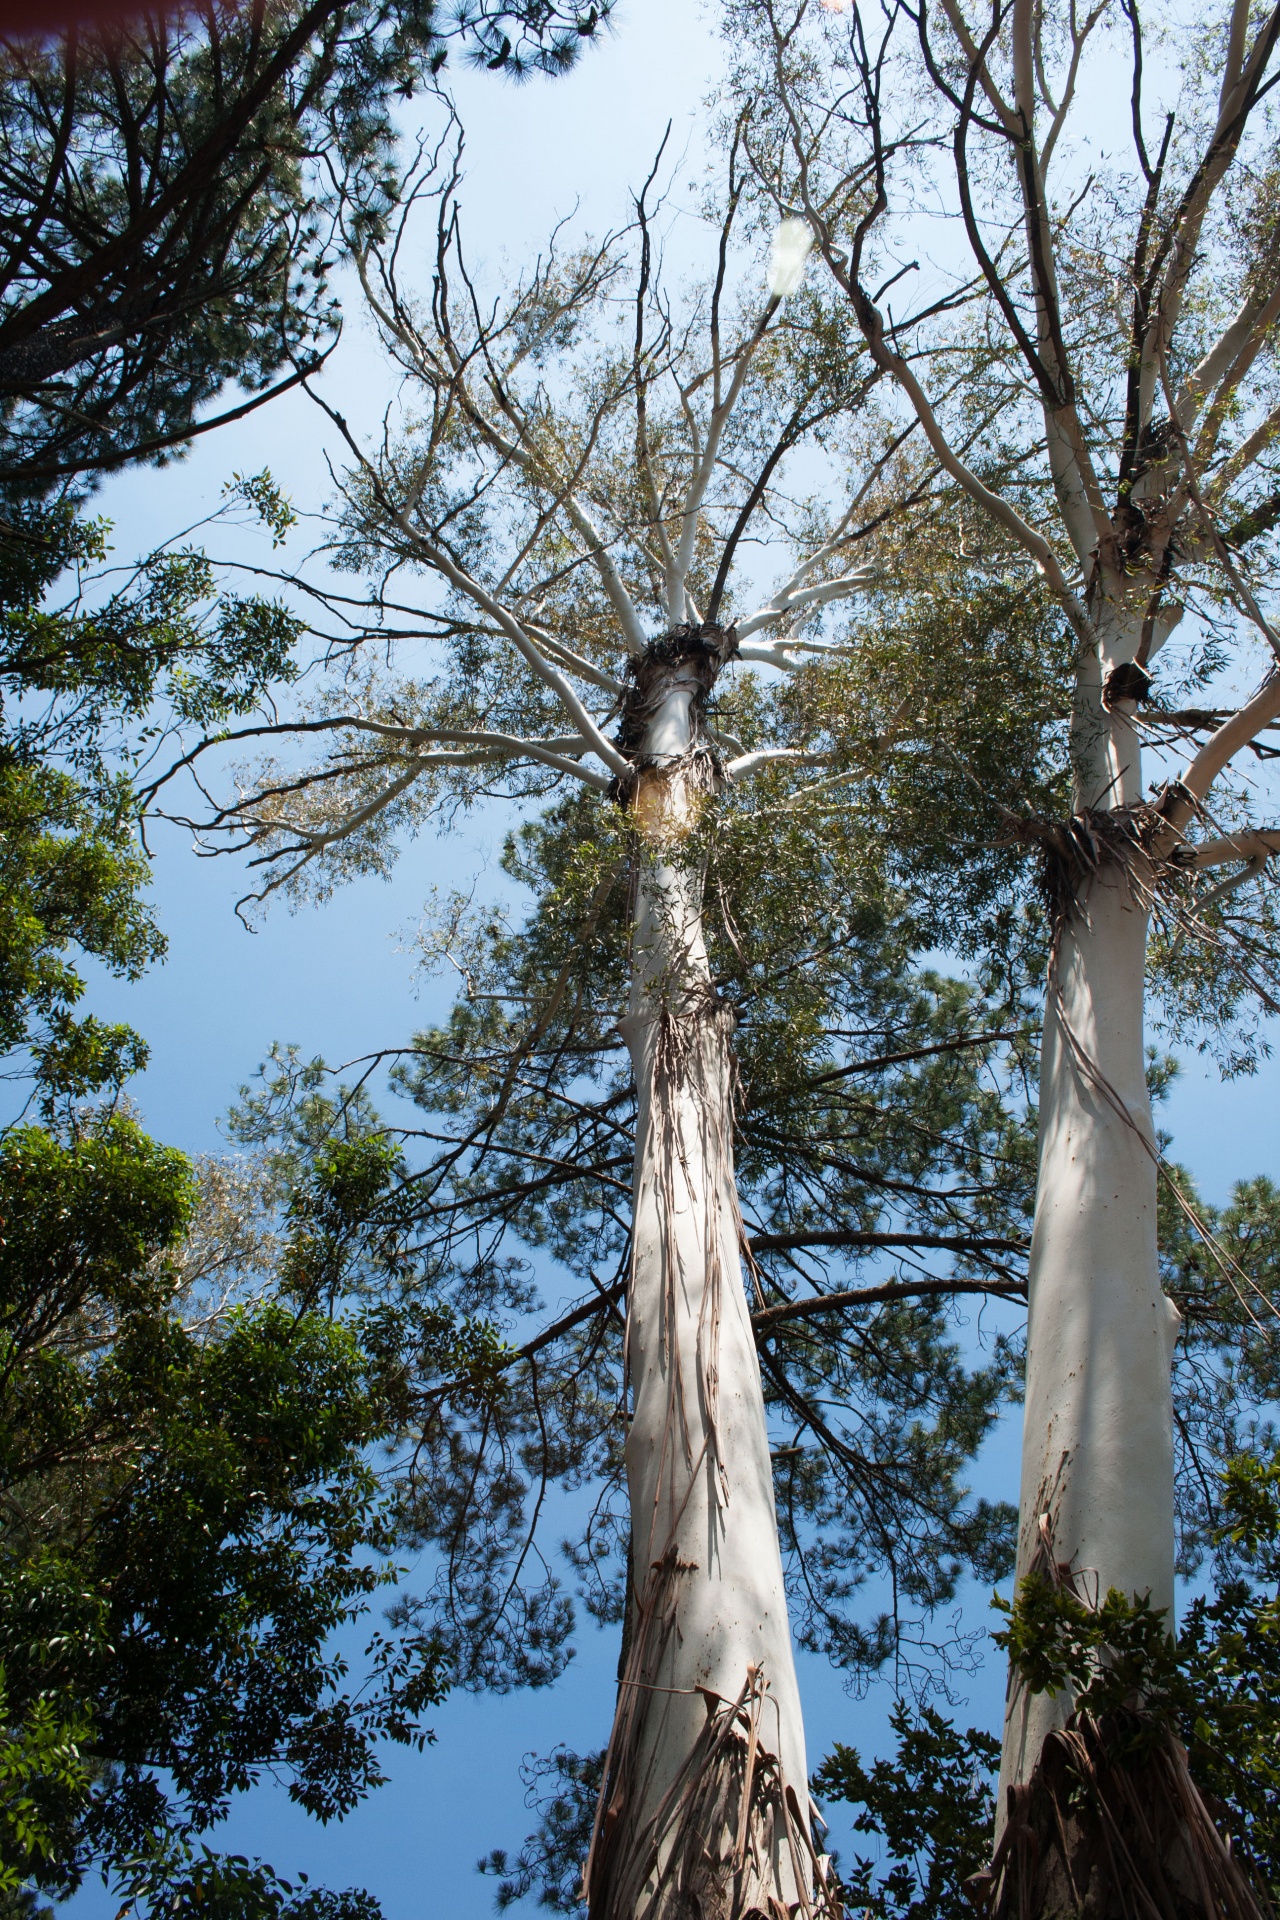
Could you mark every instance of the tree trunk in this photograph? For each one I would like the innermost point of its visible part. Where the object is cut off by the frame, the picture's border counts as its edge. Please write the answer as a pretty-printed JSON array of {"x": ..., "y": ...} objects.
[
  {"x": 1097, "y": 1453},
  {"x": 1081, "y": 1830},
  {"x": 704, "y": 1806}
]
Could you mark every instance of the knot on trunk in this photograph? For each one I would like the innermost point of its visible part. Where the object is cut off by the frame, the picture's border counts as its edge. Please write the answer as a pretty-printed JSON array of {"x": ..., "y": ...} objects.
[
  {"x": 688, "y": 656},
  {"x": 1128, "y": 681},
  {"x": 1139, "y": 841},
  {"x": 1074, "y": 851}
]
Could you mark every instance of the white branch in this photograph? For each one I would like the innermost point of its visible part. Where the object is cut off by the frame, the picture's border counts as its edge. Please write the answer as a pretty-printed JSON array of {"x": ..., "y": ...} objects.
[
  {"x": 770, "y": 756},
  {"x": 959, "y": 26},
  {"x": 1254, "y": 844},
  {"x": 1069, "y": 86},
  {"x": 1239, "y": 75},
  {"x": 1218, "y": 750},
  {"x": 778, "y": 653},
  {"x": 566, "y": 657},
  {"x": 700, "y": 479},
  {"x": 791, "y": 597},
  {"x": 546, "y": 672},
  {"x": 1246, "y": 330},
  {"x": 1245, "y": 454},
  {"x": 583, "y": 524}
]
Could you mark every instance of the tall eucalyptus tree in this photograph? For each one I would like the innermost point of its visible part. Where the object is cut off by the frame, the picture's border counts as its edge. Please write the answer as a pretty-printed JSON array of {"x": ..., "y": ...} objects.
[
  {"x": 1123, "y": 363},
  {"x": 565, "y": 518}
]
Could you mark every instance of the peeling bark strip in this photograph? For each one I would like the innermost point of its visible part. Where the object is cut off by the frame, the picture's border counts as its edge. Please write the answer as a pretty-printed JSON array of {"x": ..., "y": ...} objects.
[
  {"x": 704, "y": 1805},
  {"x": 1098, "y": 1835},
  {"x": 1110, "y": 1825}
]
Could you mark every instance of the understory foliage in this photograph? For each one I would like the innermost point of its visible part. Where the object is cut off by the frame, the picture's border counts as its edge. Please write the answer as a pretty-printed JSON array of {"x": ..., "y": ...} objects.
[
  {"x": 1216, "y": 1686},
  {"x": 932, "y": 1806},
  {"x": 190, "y": 1513}
]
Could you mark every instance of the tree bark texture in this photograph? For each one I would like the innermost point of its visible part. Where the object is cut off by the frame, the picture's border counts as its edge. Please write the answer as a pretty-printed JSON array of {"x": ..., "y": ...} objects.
[
  {"x": 1112, "y": 1827},
  {"x": 1086, "y": 1825},
  {"x": 704, "y": 1806},
  {"x": 1097, "y": 1458}
]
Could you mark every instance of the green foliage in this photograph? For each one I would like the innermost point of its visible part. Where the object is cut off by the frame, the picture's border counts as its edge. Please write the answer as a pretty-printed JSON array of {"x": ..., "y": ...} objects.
[
  {"x": 1230, "y": 1652},
  {"x": 176, "y": 176},
  {"x": 190, "y": 1516},
  {"x": 933, "y": 1806},
  {"x": 44, "y": 1777},
  {"x": 1217, "y": 1685},
  {"x": 563, "y": 1787},
  {"x": 85, "y": 685},
  {"x": 190, "y": 1883},
  {"x": 70, "y": 878},
  {"x": 164, "y": 636},
  {"x": 1116, "y": 1657}
]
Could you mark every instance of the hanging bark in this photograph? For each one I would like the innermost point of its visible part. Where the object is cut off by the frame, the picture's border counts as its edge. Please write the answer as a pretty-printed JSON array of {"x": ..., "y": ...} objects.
[
  {"x": 704, "y": 1805},
  {"x": 1103, "y": 1833},
  {"x": 1110, "y": 1825}
]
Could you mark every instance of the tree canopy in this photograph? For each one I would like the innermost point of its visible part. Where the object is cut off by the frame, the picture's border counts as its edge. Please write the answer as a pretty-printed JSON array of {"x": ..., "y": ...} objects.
[{"x": 165, "y": 226}]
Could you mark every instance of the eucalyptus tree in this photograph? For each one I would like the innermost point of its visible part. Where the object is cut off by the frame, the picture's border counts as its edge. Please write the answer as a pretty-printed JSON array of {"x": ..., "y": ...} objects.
[
  {"x": 561, "y": 528},
  {"x": 1122, "y": 358}
]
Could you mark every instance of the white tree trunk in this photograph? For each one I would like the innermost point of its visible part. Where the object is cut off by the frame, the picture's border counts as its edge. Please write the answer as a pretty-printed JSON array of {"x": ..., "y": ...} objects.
[
  {"x": 1097, "y": 1450},
  {"x": 1097, "y": 1453},
  {"x": 704, "y": 1806}
]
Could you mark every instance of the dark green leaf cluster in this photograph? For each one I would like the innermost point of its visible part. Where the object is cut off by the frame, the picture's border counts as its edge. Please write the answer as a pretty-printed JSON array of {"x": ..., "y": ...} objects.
[
  {"x": 1230, "y": 1654},
  {"x": 166, "y": 217},
  {"x": 1116, "y": 1657},
  {"x": 190, "y": 1515},
  {"x": 932, "y": 1805},
  {"x": 1217, "y": 1685}
]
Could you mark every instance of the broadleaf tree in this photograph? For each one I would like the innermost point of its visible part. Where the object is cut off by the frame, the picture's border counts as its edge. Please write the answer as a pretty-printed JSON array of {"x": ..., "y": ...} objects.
[
  {"x": 182, "y": 1502},
  {"x": 192, "y": 1512}
]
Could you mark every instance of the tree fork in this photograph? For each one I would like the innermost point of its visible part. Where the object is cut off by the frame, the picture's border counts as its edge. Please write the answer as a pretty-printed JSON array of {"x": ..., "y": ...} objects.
[{"x": 704, "y": 1802}]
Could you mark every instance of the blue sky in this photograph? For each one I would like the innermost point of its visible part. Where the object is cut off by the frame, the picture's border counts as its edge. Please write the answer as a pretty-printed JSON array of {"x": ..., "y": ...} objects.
[{"x": 336, "y": 979}]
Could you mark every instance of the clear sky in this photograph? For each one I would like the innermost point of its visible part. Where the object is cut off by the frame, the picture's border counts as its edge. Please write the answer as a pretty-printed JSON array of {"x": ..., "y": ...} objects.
[{"x": 336, "y": 979}]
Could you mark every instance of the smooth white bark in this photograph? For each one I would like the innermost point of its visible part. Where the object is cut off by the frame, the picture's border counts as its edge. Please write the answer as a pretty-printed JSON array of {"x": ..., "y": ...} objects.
[
  {"x": 1097, "y": 1463},
  {"x": 1096, "y": 1497},
  {"x": 706, "y": 1795}
]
